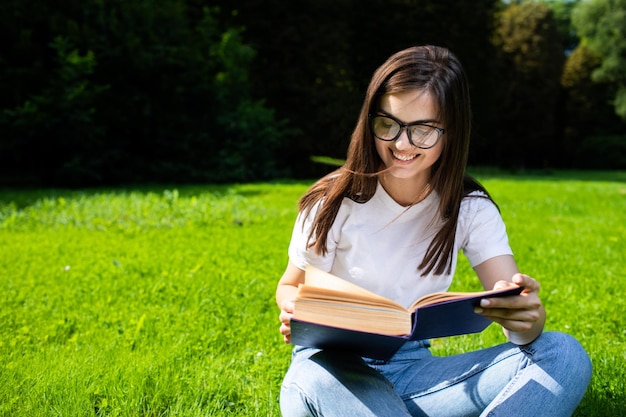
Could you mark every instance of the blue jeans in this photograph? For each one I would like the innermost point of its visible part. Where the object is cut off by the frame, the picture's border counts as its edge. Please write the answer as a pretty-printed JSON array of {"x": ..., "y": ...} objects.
[{"x": 545, "y": 378}]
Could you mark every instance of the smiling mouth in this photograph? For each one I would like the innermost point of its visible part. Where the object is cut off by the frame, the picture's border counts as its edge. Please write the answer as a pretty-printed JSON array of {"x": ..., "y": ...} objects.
[{"x": 403, "y": 157}]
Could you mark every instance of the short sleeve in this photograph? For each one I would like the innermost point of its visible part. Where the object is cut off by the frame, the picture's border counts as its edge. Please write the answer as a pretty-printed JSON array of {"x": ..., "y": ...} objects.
[
  {"x": 482, "y": 230},
  {"x": 299, "y": 254}
]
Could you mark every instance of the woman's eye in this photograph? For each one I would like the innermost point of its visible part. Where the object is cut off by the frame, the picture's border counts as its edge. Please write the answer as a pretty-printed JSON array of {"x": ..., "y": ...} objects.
[{"x": 421, "y": 130}]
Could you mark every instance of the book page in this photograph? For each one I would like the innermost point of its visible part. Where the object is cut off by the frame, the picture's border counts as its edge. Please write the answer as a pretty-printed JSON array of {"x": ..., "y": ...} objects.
[
  {"x": 336, "y": 286},
  {"x": 359, "y": 318}
]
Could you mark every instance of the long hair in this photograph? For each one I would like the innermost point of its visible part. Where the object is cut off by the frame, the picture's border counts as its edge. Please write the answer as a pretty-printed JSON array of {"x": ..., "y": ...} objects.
[{"x": 428, "y": 68}]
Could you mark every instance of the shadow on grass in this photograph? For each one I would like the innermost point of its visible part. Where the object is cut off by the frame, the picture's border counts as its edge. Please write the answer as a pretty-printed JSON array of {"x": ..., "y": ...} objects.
[
  {"x": 25, "y": 197},
  {"x": 547, "y": 175}
]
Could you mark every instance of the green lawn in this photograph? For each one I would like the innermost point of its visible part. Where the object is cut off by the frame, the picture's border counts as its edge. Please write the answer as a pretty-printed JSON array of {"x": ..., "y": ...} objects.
[{"x": 160, "y": 301}]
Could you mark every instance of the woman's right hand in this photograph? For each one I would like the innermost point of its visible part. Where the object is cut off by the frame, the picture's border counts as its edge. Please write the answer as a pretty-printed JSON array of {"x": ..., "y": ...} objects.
[
  {"x": 285, "y": 296},
  {"x": 286, "y": 312}
]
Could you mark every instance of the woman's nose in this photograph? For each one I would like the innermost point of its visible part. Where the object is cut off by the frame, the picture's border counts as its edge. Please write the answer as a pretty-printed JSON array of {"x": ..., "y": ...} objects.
[{"x": 403, "y": 142}]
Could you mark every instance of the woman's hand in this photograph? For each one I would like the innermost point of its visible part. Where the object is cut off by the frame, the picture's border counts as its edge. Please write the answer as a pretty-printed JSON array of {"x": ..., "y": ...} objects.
[
  {"x": 286, "y": 312},
  {"x": 521, "y": 316},
  {"x": 285, "y": 294}
]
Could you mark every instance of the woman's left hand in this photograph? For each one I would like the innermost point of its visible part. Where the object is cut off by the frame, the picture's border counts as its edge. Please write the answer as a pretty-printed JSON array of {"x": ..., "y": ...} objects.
[{"x": 519, "y": 314}]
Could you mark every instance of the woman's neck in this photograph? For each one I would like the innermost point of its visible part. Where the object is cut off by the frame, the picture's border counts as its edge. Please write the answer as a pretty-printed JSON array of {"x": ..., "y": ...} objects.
[{"x": 406, "y": 191}]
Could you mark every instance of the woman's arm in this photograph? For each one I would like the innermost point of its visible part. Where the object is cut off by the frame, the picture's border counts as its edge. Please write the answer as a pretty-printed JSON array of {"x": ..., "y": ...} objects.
[
  {"x": 285, "y": 296},
  {"x": 522, "y": 317}
]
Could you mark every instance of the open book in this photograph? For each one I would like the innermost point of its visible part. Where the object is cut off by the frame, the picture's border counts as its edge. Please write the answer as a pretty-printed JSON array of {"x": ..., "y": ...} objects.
[{"x": 331, "y": 313}]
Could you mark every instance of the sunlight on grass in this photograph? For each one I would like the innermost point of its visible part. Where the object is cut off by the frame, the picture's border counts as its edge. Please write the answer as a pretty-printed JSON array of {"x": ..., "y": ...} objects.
[{"x": 160, "y": 301}]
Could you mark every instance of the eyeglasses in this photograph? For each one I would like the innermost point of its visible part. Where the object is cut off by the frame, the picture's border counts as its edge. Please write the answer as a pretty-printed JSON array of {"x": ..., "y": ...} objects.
[{"x": 421, "y": 135}]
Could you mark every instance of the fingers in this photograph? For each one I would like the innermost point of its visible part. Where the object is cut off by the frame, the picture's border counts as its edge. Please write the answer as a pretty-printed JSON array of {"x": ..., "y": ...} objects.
[
  {"x": 529, "y": 284},
  {"x": 517, "y": 313},
  {"x": 527, "y": 300},
  {"x": 500, "y": 285},
  {"x": 286, "y": 313},
  {"x": 285, "y": 330},
  {"x": 524, "y": 301},
  {"x": 285, "y": 317},
  {"x": 287, "y": 306},
  {"x": 522, "y": 280},
  {"x": 517, "y": 320}
]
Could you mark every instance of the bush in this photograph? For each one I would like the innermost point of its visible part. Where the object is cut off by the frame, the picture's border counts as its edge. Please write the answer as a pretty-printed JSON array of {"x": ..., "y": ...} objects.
[
  {"x": 603, "y": 152},
  {"x": 130, "y": 92},
  {"x": 531, "y": 58},
  {"x": 55, "y": 133}
]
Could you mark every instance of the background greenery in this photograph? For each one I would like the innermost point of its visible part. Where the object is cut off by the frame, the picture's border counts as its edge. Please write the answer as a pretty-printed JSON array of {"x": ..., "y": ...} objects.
[
  {"x": 112, "y": 92},
  {"x": 159, "y": 301}
]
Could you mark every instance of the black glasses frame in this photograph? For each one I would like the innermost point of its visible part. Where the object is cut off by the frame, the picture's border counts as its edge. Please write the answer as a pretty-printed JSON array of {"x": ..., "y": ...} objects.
[{"x": 403, "y": 126}]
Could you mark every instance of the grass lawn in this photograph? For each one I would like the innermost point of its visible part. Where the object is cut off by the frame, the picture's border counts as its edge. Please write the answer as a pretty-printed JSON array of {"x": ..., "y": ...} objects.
[{"x": 160, "y": 301}]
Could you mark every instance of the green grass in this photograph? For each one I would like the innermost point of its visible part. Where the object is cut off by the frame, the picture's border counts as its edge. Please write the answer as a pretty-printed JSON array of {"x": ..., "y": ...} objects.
[{"x": 160, "y": 301}]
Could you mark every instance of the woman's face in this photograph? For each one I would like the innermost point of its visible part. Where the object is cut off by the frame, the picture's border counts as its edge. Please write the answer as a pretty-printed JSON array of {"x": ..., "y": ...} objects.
[{"x": 405, "y": 160}]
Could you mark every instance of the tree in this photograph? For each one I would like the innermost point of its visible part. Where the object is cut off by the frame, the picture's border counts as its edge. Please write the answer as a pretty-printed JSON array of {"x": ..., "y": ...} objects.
[
  {"x": 315, "y": 58},
  {"x": 115, "y": 92},
  {"x": 593, "y": 135},
  {"x": 531, "y": 58},
  {"x": 602, "y": 26},
  {"x": 562, "y": 10}
]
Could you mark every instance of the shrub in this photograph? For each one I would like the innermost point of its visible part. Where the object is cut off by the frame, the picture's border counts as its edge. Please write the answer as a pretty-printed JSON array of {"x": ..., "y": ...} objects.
[
  {"x": 603, "y": 152},
  {"x": 130, "y": 92}
]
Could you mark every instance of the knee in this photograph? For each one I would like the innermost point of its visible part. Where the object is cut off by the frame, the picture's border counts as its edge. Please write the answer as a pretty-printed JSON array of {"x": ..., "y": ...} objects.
[
  {"x": 294, "y": 401},
  {"x": 310, "y": 373},
  {"x": 567, "y": 352},
  {"x": 328, "y": 383},
  {"x": 296, "y": 390}
]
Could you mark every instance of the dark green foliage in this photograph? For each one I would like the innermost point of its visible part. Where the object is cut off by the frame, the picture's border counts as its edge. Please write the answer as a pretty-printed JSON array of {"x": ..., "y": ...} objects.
[
  {"x": 315, "y": 58},
  {"x": 602, "y": 26},
  {"x": 588, "y": 116},
  {"x": 602, "y": 152},
  {"x": 56, "y": 132},
  {"x": 531, "y": 59},
  {"x": 562, "y": 10},
  {"x": 110, "y": 92},
  {"x": 95, "y": 92}
]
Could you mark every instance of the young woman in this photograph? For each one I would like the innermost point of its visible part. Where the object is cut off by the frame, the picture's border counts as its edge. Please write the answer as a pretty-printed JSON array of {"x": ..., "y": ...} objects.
[{"x": 393, "y": 220}]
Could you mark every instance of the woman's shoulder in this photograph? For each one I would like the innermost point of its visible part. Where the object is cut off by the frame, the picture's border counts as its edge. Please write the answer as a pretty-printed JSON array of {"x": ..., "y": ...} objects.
[{"x": 478, "y": 203}]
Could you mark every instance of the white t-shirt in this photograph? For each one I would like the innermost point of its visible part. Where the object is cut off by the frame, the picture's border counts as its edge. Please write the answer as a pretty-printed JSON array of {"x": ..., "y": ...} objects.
[{"x": 379, "y": 244}]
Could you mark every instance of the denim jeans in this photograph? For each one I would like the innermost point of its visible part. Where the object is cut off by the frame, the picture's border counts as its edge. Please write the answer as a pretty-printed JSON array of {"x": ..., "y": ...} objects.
[{"x": 545, "y": 378}]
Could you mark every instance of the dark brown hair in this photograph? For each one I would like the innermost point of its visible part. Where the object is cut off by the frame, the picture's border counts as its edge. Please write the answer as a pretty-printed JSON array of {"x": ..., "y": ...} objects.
[{"x": 429, "y": 68}]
